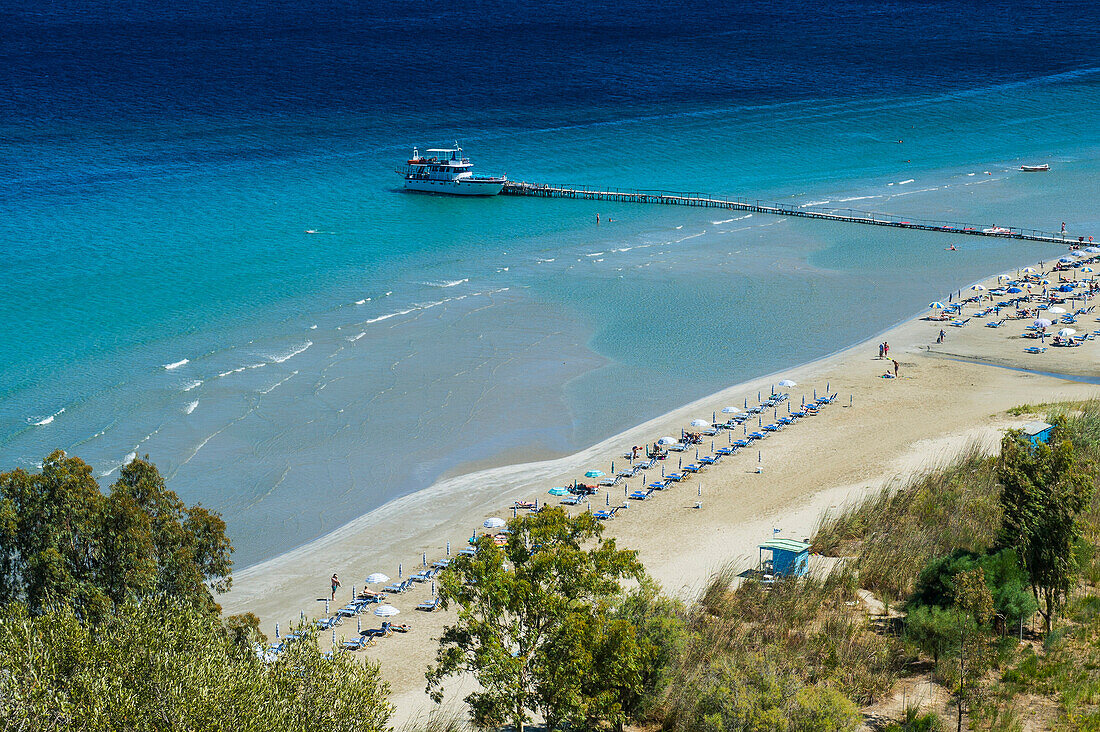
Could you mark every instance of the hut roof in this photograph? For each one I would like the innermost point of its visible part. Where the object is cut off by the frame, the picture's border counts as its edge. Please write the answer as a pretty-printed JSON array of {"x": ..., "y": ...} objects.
[
  {"x": 1033, "y": 428},
  {"x": 786, "y": 545}
]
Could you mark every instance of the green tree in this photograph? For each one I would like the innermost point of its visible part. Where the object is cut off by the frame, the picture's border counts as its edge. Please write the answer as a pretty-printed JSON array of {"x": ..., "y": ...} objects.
[
  {"x": 66, "y": 542},
  {"x": 1009, "y": 584},
  {"x": 1044, "y": 490},
  {"x": 974, "y": 603},
  {"x": 537, "y": 625},
  {"x": 162, "y": 666},
  {"x": 934, "y": 630}
]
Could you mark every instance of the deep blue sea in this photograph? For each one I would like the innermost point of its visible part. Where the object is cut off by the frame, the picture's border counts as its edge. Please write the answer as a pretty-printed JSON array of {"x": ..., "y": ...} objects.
[{"x": 162, "y": 165}]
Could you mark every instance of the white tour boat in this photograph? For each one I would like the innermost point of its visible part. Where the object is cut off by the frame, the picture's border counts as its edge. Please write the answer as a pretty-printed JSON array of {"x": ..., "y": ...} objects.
[
  {"x": 445, "y": 170},
  {"x": 1035, "y": 168}
]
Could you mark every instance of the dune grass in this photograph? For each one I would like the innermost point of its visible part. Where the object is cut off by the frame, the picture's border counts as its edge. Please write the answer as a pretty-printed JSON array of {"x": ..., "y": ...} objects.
[
  {"x": 779, "y": 650},
  {"x": 895, "y": 532}
]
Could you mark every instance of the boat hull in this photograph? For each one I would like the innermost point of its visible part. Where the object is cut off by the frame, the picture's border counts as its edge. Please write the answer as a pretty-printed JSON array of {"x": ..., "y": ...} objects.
[{"x": 461, "y": 187}]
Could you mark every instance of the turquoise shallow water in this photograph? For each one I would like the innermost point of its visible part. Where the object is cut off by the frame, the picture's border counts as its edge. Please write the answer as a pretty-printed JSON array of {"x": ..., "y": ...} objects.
[{"x": 162, "y": 295}]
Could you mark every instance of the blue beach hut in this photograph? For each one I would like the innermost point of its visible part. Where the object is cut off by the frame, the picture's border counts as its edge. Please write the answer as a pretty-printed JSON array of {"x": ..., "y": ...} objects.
[
  {"x": 1037, "y": 432},
  {"x": 788, "y": 557}
]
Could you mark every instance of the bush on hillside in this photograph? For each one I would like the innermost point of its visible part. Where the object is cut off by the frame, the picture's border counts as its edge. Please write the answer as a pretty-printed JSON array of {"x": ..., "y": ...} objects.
[{"x": 160, "y": 666}]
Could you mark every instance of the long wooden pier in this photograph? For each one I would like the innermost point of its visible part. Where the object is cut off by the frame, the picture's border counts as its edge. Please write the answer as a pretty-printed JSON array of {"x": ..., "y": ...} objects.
[{"x": 852, "y": 216}]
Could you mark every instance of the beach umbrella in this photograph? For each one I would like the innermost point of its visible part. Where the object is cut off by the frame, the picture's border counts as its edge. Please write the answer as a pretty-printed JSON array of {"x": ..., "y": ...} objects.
[
  {"x": 595, "y": 474},
  {"x": 977, "y": 288},
  {"x": 1041, "y": 323},
  {"x": 1044, "y": 282},
  {"x": 1028, "y": 270},
  {"x": 1014, "y": 290},
  {"x": 494, "y": 523},
  {"x": 386, "y": 611},
  {"x": 1004, "y": 277},
  {"x": 558, "y": 491},
  {"x": 1065, "y": 288},
  {"x": 1093, "y": 250},
  {"x": 730, "y": 410},
  {"x": 1066, "y": 260},
  {"x": 787, "y": 383},
  {"x": 1056, "y": 310},
  {"x": 1087, "y": 269},
  {"x": 667, "y": 441},
  {"x": 936, "y": 305},
  {"x": 1067, "y": 332},
  {"x": 1078, "y": 253},
  {"x": 700, "y": 423},
  {"x": 376, "y": 578}
]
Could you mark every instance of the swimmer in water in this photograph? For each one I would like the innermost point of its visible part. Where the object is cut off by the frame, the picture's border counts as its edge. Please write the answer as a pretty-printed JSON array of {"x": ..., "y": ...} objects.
[{"x": 950, "y": 248}]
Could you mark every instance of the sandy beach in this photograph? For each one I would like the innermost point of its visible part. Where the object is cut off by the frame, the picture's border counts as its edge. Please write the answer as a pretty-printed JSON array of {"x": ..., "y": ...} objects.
[{"x": 948, "y": 396}]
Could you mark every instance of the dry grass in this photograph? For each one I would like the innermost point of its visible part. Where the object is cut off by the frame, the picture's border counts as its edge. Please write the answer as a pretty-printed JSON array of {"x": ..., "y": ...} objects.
[
  {"x": 795, "y": 634},
  {"x": 895, "y": 532}
]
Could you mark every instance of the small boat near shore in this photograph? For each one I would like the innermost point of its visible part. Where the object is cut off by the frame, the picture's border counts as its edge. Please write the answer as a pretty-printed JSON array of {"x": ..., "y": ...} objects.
[
  {"x": 446, "y": 170},
  {"x": 1035, "y": 168}
]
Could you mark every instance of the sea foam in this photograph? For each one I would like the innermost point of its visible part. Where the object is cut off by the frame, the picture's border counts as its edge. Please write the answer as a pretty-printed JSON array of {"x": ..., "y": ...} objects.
[
  {"x": 292, "y": 354},
  {"x": 42, "y": 422},
  {"x": 176, "y": 365}
]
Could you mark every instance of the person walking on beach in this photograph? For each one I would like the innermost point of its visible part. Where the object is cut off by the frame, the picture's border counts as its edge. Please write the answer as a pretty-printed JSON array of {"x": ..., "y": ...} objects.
[
  {"x": 886, "y": 350},
  {"x": 880, "y": 350},
  {"x": 942, "y": 336},
  {"x": 895, "y": 369},
  {"x": 335, "y": 584}
]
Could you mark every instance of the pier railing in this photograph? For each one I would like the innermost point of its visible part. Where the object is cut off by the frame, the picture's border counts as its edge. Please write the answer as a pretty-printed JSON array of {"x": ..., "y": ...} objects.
[{"x": 846, "y": 215}]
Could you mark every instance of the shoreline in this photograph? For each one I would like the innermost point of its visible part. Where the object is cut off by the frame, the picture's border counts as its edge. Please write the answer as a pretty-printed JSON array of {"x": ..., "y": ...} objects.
[
  {"x": 893, "y": 428},
  {"x": 458, "y": 473}
]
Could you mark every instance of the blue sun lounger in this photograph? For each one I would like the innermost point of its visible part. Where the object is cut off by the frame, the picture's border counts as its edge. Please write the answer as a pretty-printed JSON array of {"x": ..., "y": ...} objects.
[
  {"x": 429, "y": 605},
  {"x": 658, "y": 485},
  {"x": 757, "y": 435},
  {"x": 693, "y": 468},
  {"x": 327, "y": 623},
  {"x": 640, "y": 495},
  {"x": 355, "y": 644},
  {"x": 708, "y": 460},
  {"x": 771, "y": 427},
  {"x": 571, "y": 500},
  {"x": 674, "y": 477},
  {"x": 726, "y": 450},
  {"x": 1035, "y": 349}
]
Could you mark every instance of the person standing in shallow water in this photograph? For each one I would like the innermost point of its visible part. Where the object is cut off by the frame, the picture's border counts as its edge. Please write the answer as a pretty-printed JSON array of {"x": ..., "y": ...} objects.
[{"x": 335, "y": 584}]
